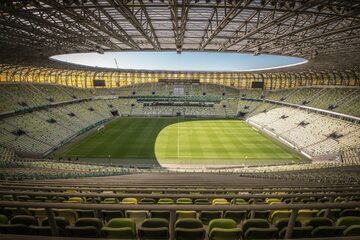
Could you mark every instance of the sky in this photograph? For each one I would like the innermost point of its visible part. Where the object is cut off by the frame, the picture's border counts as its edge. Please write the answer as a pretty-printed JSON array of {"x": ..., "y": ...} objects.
[{"x": 186, "y": 61}]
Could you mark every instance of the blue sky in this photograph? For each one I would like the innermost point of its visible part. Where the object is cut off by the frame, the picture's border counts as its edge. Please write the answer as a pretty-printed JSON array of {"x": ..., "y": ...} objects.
[{"x": 186, "y": 61}]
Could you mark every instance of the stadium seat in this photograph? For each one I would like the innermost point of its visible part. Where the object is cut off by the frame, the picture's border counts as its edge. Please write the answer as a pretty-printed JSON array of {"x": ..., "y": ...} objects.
[
  {"x": 165, "y": 201},
  {"x": 85, "y": 227},
  {"x": 332, "y": 213},
  {"x": 220, "y": 201},
  {"x": 353, "y": 230},
  {"x": 154, "y": 228},
  {"x": 238, "y": 201},
  {"x": 202, "y": 201},
  {"x": 326, "y": 231},
  {"x": 129, "y": 201},
  {"x": 61, "y": 222},
  {"x": 137, "y": 215},
  {"x": 279, "y": 214},
  {"x": 347, "y": 221},
  {"x": 24, "y": 219},
  {"x": 298, "y": 232},
  {"x": 350, "y": 212},
  {"x": 255, "y": 223},
  {"x": 109, "y": 201},
  {"x": 189, "y": 229},
  {"x": 85, "y": 213},
  {"x": 19, "y": 229},
  {"x": 120, "y": 228},
  {"x": 83, "y": 232},
  {"x": 110, "y": 214},
  {"x": 3, "y": 219},
  {"x": 207, "y": 216},
  {"x": 39, "y": 213},
  {"x": 259, "y": 214},
  {"x": 261, "y": 233},
  {"x": 283, "y": 223},
  {"x": 237, "y": 216},
  {"x": 184, "y": 201},
  {"x": 147, "y": 201},
  {"x": 74, "y": 200},
  {"x": 304, "y": 215},
  {"x": 160, "y": 214},
  {"x": 185, "y": 214},
  {"x": 69, "y": 214},
  {"x": 224, "y": 229},
  {"x": 319, "y": 221}
]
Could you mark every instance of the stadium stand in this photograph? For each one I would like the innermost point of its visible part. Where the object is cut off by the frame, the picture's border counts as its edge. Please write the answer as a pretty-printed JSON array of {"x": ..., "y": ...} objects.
[{"x": 254, "y": 152}]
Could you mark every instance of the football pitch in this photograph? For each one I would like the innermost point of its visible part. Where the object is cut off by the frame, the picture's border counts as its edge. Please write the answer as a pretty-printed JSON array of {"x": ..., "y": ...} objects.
[{"x": 177, "y": 141}]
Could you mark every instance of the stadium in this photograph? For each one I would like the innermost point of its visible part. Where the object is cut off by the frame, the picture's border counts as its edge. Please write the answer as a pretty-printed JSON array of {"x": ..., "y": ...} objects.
[{"x": 257, "y": 137}]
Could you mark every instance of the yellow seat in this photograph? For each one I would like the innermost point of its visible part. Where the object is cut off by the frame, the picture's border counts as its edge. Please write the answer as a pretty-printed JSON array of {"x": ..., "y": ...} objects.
[
  {"x": 39, "y": 213},
  {"x": 69, "y": 214},
  {"x": 129, "y": 201},
  {"x": 305, "y": 214},
  {"x": 220, "y": 201},
  {"x": 185, "y": 214},
  {"x": 279, "y": 214}
]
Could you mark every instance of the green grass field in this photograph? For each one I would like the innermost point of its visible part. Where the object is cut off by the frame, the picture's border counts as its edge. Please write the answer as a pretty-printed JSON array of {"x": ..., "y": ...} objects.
[{"x": 179, "y": 141}]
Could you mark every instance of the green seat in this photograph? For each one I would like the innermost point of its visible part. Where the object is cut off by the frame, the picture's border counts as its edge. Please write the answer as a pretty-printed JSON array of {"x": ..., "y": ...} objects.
[
  {"x": 237, "y": 216},
  {"x": 189, "y": 229},
  {"x": 85, "y": 222},
  {"x": 109, "y": 201},
  {"x": 3, "y": 219},
  {"x": 85, "y": 213},
  {"x": 202, "y": 201},
  {"x": 255, "y": 223},
  {"x": 353, "y": 230},
  {"x": 154, "y": 228},
  {"x": 160, "y": 214},
  {"x": 347, "y": 221},
  {"x": 61, "y": 222},
  {"x": 24, "y": 219},
  {"x": 107, "y": 215},
  {"x": 147, "y": 201},
  {"x": 332, "y": 214},
  {"x": 350, "y": 212},
  {"x": 185, "y": 214},
  {"x": 19, "y": 229},
  {"x": 259, "y": 214},
  {"x": 319, "y": 221},
  {"x": 283, "y": 223},
  {"x": 184, "y": 201},
  {"x": 207, "y": 216},
  {"x": 238, "y": 201},
  {"x": 224, "y": 229},
  {"x": 83, "y": 232},
  {"x": 261, "y": 233},
  {"x": 298, "y": 232},
  {"x": 43, "y": 231},
  {"x": 165, "y": 201},
  {"x": 121, "y": 228},
  {"x": 327, "y": 232}
]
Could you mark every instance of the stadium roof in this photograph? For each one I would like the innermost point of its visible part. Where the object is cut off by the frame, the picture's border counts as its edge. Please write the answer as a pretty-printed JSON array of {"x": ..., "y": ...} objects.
[{"x": 325, "y": 31}]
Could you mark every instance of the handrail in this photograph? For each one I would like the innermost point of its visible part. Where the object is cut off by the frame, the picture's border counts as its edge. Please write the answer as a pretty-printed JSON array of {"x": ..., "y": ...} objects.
[
  {"x": 48, "y": 206},
  {"x": 174, "y": 196},
  {"x": 181, "y": 190}
]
